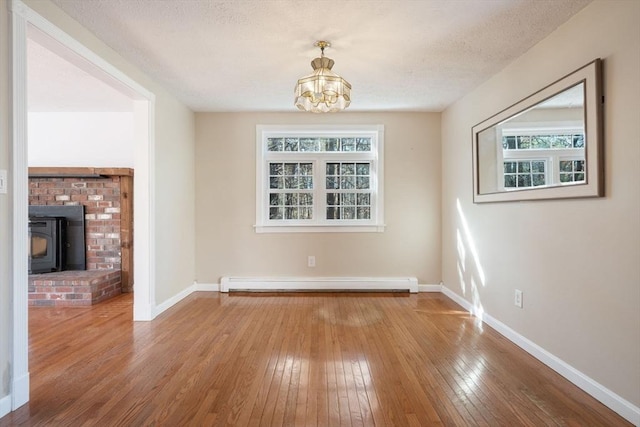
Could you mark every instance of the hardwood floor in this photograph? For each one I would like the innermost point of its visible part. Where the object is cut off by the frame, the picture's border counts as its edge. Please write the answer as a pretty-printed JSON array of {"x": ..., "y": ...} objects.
[{"x": 290, "y": 360}]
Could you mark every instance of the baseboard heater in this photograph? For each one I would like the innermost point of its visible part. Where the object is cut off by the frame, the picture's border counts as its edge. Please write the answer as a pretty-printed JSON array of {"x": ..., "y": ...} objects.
[{"x": 372, "y": 284}]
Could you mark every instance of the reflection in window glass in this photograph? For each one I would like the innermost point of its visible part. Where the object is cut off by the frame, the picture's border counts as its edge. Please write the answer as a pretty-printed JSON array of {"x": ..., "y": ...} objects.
[
  {"x": 354, "y": 199},
  {"x": 524, "y": 173},
  {"x": 572, "y": 171},
  {"x": 543, "y": 142},
  {"x": 319, "y": 144},
  {"x": 348, "y": 206},
  {"x": 286, "y": 200},
  {"x": 533, "y": 158}
]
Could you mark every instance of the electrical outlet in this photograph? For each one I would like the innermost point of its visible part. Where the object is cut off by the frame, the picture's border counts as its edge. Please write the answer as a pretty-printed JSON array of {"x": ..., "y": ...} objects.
[
  {"x": 518, "y": 298},
  {"x": 311, "y": 261}
]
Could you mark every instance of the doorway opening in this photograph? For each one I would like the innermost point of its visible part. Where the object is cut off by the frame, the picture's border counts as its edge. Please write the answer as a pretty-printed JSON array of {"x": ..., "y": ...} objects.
[{"x": 27, "y": 23}]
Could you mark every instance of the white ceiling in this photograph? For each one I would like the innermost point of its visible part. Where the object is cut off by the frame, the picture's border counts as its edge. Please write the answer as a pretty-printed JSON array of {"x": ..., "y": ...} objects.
[
  {"x": 57, "y": 84},
  {"x": 246, "y": 55}
]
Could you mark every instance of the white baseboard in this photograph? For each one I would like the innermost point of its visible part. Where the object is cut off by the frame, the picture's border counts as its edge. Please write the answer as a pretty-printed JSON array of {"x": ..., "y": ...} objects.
[
  {"x": 319, "y": 283},
  {"x": 208, "y": 287},
  {"x": 460, "y": 301},
  {"x": 211, "y": 287},
  {"x": 5, "y": 405},
  {"x": 158, "y": 309},
  {"x": 215, "y": 287},
  {"x": 20, "y": 392},
  {"x": 429, "y": 288},
  {"x": 616, "y": 403}
]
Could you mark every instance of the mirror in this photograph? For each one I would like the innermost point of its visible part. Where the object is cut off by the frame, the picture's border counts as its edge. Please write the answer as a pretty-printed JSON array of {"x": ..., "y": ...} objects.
[{"x": 547, "y": 146}]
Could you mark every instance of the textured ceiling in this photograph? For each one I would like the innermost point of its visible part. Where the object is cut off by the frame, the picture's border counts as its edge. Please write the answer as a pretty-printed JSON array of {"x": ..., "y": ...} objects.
[
  {"x": 246, "y": 55},
  {"x": 55, "y": 83}
]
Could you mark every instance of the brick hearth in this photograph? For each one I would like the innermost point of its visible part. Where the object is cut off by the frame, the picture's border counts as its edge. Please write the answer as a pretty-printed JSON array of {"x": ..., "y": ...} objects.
[{"x": 73, "y": 288}]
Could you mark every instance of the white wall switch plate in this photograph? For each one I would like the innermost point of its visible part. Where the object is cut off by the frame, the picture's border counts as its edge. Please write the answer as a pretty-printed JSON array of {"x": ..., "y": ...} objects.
[{"x": 3, "y": 181}]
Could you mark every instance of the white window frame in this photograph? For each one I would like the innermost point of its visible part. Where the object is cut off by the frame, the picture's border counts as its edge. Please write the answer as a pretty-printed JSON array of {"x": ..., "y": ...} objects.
[
  {"x": 319, "y": 223},
  {"x": 552, "y": 157}
]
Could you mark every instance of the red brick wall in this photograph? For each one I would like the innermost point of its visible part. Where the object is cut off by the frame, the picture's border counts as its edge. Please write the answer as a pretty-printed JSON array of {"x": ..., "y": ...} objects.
[{"x": 101, "y": 198}]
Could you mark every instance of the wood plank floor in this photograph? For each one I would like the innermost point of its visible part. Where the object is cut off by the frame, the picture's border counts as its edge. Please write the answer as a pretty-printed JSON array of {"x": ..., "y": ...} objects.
[{"x": 290, "y": 360}]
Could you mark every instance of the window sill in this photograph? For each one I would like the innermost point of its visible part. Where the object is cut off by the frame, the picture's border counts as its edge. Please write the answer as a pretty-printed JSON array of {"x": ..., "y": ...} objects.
[{"x": 319, "y": 228}]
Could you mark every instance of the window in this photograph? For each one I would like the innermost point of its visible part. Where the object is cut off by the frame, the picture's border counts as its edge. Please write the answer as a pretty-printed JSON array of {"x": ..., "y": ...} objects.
[
  {"x": 524, "y": 173},
  {"x": 572, "y": 171},
  {"x": 316, "y": 179},
  {"x": 536, "y": 157}
]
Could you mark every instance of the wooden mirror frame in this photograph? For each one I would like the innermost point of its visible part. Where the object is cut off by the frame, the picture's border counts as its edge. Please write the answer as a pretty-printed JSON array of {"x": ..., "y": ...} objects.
[{"x": 591, "y": 76}]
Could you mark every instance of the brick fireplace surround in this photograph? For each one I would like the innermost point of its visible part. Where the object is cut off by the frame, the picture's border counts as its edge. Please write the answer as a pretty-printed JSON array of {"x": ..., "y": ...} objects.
[{"x": 102, "y": 195}]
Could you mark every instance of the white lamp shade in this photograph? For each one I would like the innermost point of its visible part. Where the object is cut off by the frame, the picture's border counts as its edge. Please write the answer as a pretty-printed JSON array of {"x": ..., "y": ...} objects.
[{"x": 323, "y": 91}]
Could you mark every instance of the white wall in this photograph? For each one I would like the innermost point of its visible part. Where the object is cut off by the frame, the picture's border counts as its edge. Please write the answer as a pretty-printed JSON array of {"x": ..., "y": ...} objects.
[
  {"x": 577, "y": 261},
  {"x": 82, "y": 139},
  {"x": 226, "y": 243}
]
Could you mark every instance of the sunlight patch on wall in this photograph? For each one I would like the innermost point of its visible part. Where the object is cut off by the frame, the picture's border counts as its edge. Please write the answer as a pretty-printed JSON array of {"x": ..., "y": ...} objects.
[{"x": 470, "y": 243}]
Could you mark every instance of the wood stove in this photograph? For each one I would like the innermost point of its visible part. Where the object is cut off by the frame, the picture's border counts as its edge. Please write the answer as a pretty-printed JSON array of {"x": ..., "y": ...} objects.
[
  {"x": 56, "y": 239},
  {"x": 47, "y": 247}
]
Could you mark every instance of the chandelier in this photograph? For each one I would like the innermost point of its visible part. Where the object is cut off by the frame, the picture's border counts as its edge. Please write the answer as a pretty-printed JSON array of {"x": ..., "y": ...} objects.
[{"x": 323, "y": 91}]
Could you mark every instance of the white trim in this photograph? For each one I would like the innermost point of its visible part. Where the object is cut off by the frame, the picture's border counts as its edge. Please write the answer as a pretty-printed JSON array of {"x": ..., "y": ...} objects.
[
  {"x": 207, "y": 287},
  {"x": 319, "y": 283},
  {"x": 143, "y": 212},
  {"x": 195, "y": 287},
  {"x": 5, "y": 405},
  {"x": 319, "y": 229},
  {"x": 20, "y": 215},
  {"x": 610, "y": 399},
  {"x": 20, "y": 391},
  {"x": 457, "y": 299},
  {"x": 160, "y": 308},
  {"x": 319, "y": 224},
  {"x": 430, "y": 288}
]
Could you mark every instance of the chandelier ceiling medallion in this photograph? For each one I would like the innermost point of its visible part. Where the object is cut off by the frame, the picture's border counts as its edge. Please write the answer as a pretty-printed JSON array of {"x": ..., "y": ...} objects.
[{"x": 323, "y": 91}]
